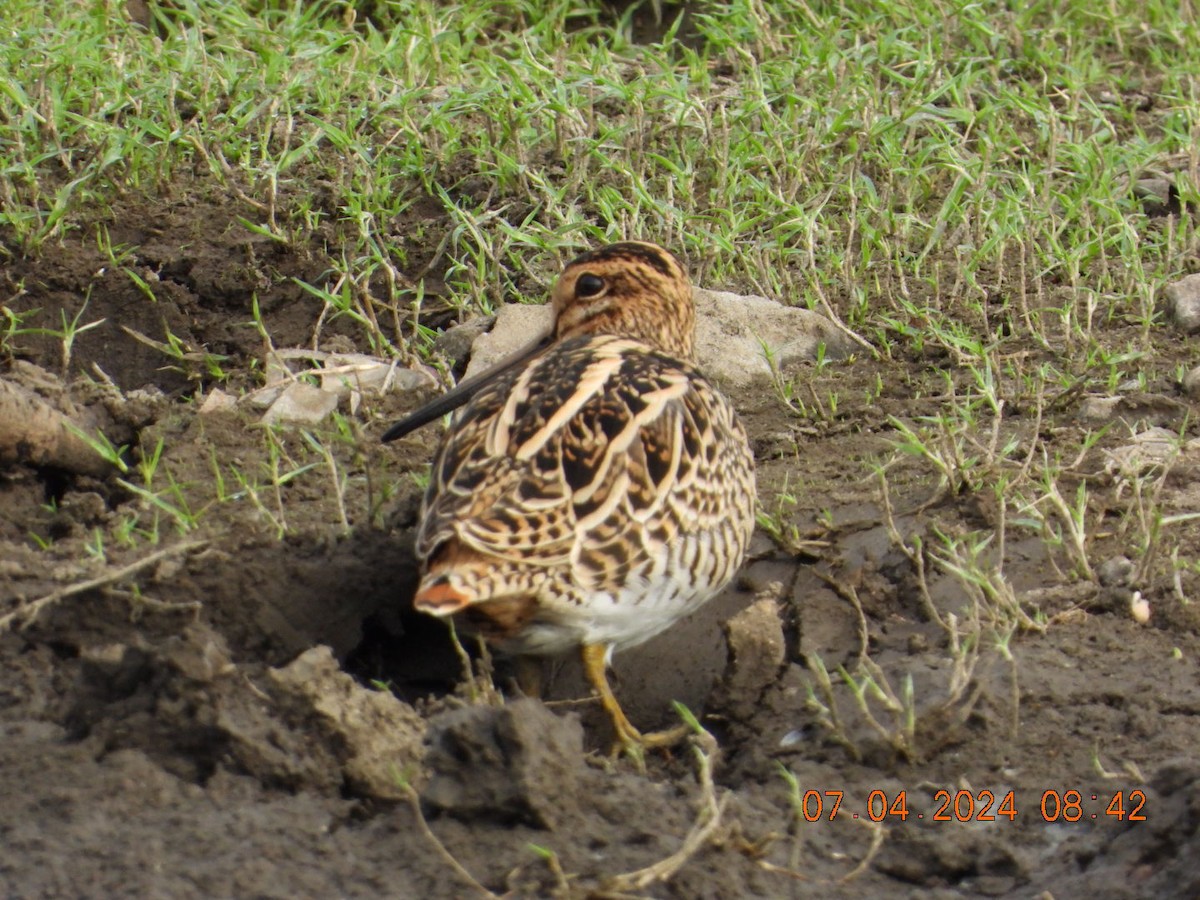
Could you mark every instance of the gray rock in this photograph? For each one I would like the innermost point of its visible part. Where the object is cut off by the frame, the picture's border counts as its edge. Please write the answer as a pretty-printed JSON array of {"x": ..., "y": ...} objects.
[
  {"x": 1183, "y": 302},
  {"x": 1191, "y": 383},
  {"x": 516, "y": 326},
  {"x": 1115, "y": 571},
  {"x": 1135, "y": 407},
  {"x": 302, "y": 403},
  {"x": 1098, "y": 410},
  {"x": 1155, "y": 194},
  {"x": 731, "y": 331},
  {"x": 455, "y": 343}
]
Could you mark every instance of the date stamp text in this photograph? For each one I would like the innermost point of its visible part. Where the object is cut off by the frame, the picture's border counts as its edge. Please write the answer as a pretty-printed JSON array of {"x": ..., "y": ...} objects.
[{"x": 1053, "y": 805}]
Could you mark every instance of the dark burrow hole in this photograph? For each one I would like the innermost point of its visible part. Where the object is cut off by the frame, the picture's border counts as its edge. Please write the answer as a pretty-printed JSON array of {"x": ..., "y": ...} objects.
[{"x": 414, "y": 655}]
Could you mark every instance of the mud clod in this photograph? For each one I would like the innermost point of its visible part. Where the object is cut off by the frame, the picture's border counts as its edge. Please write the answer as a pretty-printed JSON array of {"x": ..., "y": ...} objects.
[
  {"x": 519, "y": 761},
  {"x": 756, "y": 655},
  {"x": 377, "y": 737}
]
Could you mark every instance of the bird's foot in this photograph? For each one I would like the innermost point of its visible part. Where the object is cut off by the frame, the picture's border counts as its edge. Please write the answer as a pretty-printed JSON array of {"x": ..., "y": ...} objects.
[{"x": 632, "y": 743}]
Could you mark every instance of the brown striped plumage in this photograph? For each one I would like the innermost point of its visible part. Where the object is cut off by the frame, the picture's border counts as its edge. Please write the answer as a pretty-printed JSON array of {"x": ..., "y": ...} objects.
[{"x": 599, "y": 492}]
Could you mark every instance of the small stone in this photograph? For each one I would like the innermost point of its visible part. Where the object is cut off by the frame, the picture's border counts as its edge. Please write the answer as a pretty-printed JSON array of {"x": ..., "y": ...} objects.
[
  {"x": 793, "y": 738},
  {"x": 338, "y": 344},
  {"x": 1098, "y": 410},
  {"x": 1140, "y": 100},
  {"x": 455, "y": 343},
  {"x": 217, "y": 401},
  {"x": 1149, "y": 451},
  {"x": 303, "y": 403},
  {"x": 1115, "y": 572},
  {"x": 1155, "y": 194},
  {"x": 264, "y": 396},
  {"x": 1183, "y": 302},
  {"x": 1191, "y": 383},
  {"x": 104, "y": 655},
  {"x": 1139, "y": 608}
]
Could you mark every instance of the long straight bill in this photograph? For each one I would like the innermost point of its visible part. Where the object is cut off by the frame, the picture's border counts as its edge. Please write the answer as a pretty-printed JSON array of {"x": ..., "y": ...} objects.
[{"x": 457, "y": 396}]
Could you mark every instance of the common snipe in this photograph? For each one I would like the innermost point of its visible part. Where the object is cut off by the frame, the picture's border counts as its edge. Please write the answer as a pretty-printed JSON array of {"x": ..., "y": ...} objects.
[{"x": 596, "y": 487}]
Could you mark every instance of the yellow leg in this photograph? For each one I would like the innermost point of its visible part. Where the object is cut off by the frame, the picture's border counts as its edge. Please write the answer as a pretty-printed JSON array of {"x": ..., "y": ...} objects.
[{"x": 628, "y": 737}]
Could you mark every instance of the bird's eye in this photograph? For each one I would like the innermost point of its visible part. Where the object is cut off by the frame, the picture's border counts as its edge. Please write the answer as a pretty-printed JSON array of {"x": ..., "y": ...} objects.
[{"x": 589, "y": 285}]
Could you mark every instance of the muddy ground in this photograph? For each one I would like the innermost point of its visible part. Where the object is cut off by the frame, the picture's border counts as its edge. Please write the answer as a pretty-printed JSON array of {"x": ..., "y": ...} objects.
[{"x": 179, "y": 729}]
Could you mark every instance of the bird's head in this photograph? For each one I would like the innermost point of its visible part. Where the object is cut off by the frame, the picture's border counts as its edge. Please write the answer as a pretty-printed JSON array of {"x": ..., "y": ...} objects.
[{"x": 632, "y": 289}]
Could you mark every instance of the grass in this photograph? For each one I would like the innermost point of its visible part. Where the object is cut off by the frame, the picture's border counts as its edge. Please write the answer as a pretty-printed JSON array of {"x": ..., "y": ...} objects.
[
  {"x": 957, "y": 182},
  {"x": 820, "y": 164}
]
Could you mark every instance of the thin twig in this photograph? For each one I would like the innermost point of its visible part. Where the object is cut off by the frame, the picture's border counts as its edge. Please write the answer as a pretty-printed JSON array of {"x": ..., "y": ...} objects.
[
  {"x": 707, "y": 823},
  {"x": 25, "y": 615},
  {"x": 153, "y": 603},
  {"x": 877, "y": 835},
  {"x": 414, "y": 801}
]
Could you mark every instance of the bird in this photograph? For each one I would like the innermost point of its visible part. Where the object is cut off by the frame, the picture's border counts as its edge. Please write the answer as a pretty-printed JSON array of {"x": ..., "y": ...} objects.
[{"x": 595, "y": 487}]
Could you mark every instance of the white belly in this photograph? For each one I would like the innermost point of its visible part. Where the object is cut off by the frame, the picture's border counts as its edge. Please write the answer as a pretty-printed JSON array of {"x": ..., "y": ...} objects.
[{"x": 630, "y": 618}]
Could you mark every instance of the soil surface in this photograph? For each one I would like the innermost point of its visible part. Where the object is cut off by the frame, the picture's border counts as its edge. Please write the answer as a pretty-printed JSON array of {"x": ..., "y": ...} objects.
[{"x": 213, "y": 684}]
